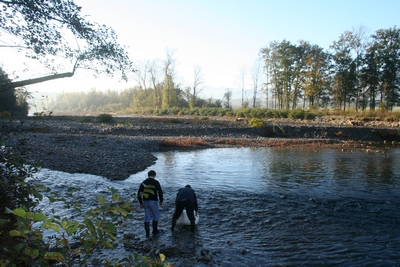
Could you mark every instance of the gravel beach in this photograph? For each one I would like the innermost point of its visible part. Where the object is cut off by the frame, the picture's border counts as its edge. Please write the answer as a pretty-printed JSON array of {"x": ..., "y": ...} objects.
[{"x": 125, "y": 147}]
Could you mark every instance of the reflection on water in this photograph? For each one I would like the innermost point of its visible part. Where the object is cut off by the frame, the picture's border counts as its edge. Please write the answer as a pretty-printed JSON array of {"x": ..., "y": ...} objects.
[
  {"x": 325, "y": 171},
  {"x": 274, "y": 206}
]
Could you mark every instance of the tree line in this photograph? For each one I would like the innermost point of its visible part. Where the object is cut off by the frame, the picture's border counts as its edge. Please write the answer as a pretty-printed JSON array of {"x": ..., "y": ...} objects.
[{"x": 357, "y": 71}]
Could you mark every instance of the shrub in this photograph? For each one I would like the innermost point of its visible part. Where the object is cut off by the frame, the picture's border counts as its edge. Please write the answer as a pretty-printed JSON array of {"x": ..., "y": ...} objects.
[
  {"x": 97, "y": 229},
  {"x": 256, "y": 123},
  {"x": 86, "y": 119},
  {"x": 297, "y": 114},
  {"x": 105, "y": 118}
]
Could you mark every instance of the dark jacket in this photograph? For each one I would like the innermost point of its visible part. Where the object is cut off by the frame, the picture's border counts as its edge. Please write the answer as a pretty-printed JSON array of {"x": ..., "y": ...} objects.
[
  {"x": 150, "y": 189},
  {"x": 187, "y": 194}
]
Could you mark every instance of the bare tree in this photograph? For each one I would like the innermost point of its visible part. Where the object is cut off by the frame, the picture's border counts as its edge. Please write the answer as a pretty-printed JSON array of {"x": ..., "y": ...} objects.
[
  {"x": 142, "y": 69},
  {"x": 242, "y": 84},
  {"x": 196, "y": 86},
  {"x": 154, "y": 71},
  {"x": 358, "y": 42},
  {"x": 256, "y": 77},
  {"x": 169, "y": 94},
  {"x": 228, "y": 98}
]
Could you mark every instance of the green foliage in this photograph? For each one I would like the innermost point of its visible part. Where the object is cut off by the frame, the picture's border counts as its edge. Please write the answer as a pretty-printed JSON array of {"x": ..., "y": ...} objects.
[
  {"x": 11, "y": 100},
  {"x": 301, "y": 114},
  {"x": 45, "y": 36},
  {"x": 105, "y": 118},
  {"x": 97, "y": 230},
  {"x": 86, "y": 119},
  {"x": 256, "y": 123},
  {"x": 22, "y": 228},
  {"x": 14, "y": 191}
]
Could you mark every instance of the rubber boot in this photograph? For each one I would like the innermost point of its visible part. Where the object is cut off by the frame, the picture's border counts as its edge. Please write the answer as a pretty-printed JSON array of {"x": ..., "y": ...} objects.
[
  {"x": 155, "y": 227},
  {"x": 192, "y": 226},
  {"x": 147, "y": 228},
  {"x": 173, "y": 224}
]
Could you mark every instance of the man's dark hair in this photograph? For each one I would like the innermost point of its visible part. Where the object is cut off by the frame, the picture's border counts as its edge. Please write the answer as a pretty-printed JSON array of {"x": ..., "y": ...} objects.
[
  {"x": 151, "y": 173},
  {"x": 188, "y": 186}
]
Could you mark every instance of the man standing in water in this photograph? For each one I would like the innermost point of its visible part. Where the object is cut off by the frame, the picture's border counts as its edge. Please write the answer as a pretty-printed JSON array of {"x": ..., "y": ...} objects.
[
  {"x": 149, "y": 193},
  {"x": 185, "y": 199}
]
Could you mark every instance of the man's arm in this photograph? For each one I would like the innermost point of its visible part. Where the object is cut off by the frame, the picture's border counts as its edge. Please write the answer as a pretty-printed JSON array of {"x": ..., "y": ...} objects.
[{"x": 139, "y": 196}]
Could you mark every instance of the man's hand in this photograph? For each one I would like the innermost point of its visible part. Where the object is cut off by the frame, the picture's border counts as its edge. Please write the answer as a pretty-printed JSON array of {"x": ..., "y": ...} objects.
[
  {"x": 161, "y": 204},
  {"x": 142, "y": 205}
]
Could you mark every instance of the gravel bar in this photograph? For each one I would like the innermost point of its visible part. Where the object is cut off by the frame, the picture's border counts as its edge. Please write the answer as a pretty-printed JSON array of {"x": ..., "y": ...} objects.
[{"x": 117, "y": 150}]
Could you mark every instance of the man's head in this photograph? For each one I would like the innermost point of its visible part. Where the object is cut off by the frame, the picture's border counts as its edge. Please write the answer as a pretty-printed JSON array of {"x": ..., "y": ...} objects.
[
  {"x": 188, "y": 186},
  {"x": 151, "y": 173}
]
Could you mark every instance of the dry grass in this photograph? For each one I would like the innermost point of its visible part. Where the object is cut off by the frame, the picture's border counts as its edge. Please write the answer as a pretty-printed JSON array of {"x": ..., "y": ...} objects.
[{"x": 184, "y": 143}]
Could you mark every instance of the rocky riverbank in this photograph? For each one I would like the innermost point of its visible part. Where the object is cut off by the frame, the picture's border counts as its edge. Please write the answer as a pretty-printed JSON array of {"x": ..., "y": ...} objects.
[{"x": 125, "y": 147}]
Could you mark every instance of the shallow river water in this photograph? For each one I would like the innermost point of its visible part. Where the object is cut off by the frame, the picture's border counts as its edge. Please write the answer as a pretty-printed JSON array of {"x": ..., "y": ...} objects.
[{"x": 269, "y": 206}]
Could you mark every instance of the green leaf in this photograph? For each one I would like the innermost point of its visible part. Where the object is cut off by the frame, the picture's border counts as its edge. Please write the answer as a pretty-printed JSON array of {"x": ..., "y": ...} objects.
[
  {"x": 146, "y": 190},
  {"x": 73, "y": 228},
  {"x": 116, "y": 197},
  {"x": 52, "y": 226},
  {"x": 112, "y": 236},
  {"x": 162, "y": 257},
  {"x": 112, "y": 190},
  {"x": 107, "y": 244},
  {"x": 52, "y": 199},
  {"x": 145, "y": 195},
  {"x": 101, "y": 200},
  {"x": 38, "y": 217},
  {"x": 110, "y": 227},
  {"x": 19, "y": 212},
  {"x": 29, "y": 215},
  {"x": 89, "y": 224},
  {"x": 14, "y": 233},
  {"x": 119, "y": 210},
  {"x": 64, "y": 224},
  {"x": 42, "y": 187},
  {"x": 56, "y": 256},
  {"x": 20, "y": 247},
  {"x": 33, "y": 253}
]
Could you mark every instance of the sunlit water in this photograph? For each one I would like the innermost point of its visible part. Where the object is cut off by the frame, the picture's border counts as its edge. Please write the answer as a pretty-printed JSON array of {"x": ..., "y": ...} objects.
[{"x": 269, "y": 206}]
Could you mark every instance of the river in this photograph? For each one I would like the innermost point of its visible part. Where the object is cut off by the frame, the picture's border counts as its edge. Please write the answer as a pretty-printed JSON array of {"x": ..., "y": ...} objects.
[{"x": 268, "y": 206}]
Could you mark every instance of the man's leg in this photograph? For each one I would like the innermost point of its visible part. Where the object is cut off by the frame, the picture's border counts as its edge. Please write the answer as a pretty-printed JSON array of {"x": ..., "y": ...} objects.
[
  {"x": 147, "y": 217},
  {"x": 190, "y": 214},
  {"x": 155, "y": 210},
  {"x": 155, "y": 227},
  {"x": 178, "y": 211},
  {"x": 147, "y": 228}
]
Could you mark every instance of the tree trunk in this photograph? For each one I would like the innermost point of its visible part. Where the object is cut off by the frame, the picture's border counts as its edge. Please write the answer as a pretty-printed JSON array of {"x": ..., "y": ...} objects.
[{"x": 14, "y": 85}]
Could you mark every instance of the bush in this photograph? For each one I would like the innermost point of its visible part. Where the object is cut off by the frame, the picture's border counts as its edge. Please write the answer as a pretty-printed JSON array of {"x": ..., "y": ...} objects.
[
  {"x": 256, "y": 123},
  {"x": 105, "y": 118},
  {"x": 297, "y": 114},
  {"x": 96, "y": 230},
  {"x": 14, "y": 190}
]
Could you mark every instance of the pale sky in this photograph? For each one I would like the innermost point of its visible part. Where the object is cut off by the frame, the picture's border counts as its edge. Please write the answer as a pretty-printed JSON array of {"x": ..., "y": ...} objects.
[{"x": 222, "y": 37}]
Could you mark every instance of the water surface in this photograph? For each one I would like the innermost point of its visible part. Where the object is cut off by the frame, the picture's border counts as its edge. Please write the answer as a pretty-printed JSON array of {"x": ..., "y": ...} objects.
[{"x": 271, "y": 206}]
